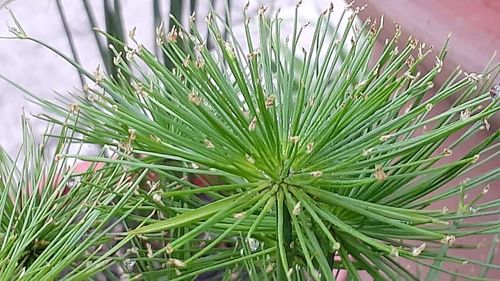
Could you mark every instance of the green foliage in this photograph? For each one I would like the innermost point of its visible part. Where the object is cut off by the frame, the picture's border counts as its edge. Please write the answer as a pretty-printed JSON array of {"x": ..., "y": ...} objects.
[
  {"x": 115, "y": 26},
  {"x": 54, "y": 220},
  {"x": 314, "y": 159}
]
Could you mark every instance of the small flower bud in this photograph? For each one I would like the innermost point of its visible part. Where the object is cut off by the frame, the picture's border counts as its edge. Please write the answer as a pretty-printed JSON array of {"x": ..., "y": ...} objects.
[
  {"x": 132, "y": 134},
  {"x": 209, "y": 144},
  {"x": 473, "y": 77},
  {"x": 192, "y": 18},
  {"x": 253, "y": 124},
  {"x": 310, "y": 147},
  {"x": 294, "y": 139},
  {"x": 448, "y": 240},
  {"x": 417, "y": 250},
  {"x": 209, "y": 18},
  {"x": 311, "y": 101},
  {"x": 262, "y": 10},
  {"x": 118, "y": 59},
  {"x": 200, "y": 63},
  {"x": 130, "y": 54},
  {"x": 495, "y": 92},
  {"x": 270, "y": 101},
  {"x": 408, "y": 75},
  {"x": 316, "y": 174},
  {"x": 131, "y": 33},
  {"x": 386, "y": 137},
  {"x": 447, "y": 152},
  {"x": 239, "y": 216},
  {"x": 186, "y": 62},
  {"x": 98, "y": 76},
  {"x": 229, "y": 49},
  {"x": 169, "y": 249},
  {"x": 155, "y": 138},
  {"x": 270, "y": 267},
  {"x": 438, "y": 64},
  {"x": 486, "y": 124},
  {"x": 176, "y": 263},
  {"x": 172, "y": 35},
  {"x": 464, "y": 115},
  {"x": 394, "y": 252},
  {"x": 485, "y": 189},
  {"x": 74, "y": 108},
  {"x": 195, "y": 98},
  {"x": 138, "y": 88},
  {"x": 250, "y": 159},
  {"x": 367, "y": 152},
  {"x": 379, "y": 173},
  {"x": 157, "y": 197},
  {"x": 149, "y": 250},
  {"x": 475, "y": 158},
  {"x": 297, "y": 209},
  {"x": 133, "y": 250}
]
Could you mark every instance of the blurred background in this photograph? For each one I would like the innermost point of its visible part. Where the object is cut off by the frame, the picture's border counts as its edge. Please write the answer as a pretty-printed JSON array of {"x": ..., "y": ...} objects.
[{"x": 67, "y": 25}]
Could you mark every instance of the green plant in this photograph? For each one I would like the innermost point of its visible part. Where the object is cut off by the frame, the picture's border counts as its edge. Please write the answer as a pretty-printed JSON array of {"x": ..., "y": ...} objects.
[
  {"x": 55, "y": 220},
  {"x": 312, "y": 162},
  {"x": 115, "y": 26}
]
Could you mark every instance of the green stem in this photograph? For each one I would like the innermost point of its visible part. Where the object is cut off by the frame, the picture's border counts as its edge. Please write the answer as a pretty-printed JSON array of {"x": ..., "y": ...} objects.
[
  {"x": 284, "y": 234},
  {"x": 287, "y": 227}
]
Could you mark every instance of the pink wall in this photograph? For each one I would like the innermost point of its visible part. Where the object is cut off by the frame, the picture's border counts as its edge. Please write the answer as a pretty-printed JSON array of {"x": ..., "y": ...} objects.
[{"x": 475, "y": 36}]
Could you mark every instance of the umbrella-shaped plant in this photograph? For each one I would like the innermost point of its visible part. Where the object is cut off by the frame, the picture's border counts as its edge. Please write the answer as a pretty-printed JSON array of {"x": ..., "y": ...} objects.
[{"x": 316, "y": 158}]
